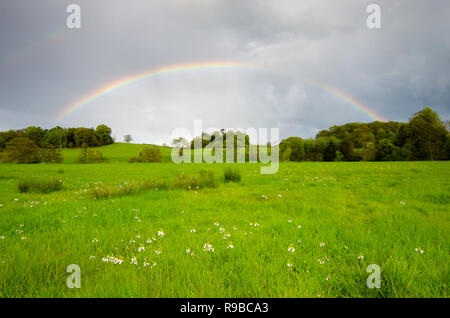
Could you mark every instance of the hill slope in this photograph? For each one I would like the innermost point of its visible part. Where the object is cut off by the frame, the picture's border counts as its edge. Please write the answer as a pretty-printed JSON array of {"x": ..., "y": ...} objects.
[{"x": 117, "y": 152}]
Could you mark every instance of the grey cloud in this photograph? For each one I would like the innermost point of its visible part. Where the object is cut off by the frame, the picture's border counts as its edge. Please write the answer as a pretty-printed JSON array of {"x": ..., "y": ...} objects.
[{"x": 397, "y": 70}]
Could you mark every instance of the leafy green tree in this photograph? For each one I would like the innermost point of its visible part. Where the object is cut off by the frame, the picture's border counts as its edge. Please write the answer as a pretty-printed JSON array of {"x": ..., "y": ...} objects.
[
  {"x": 310, "y": 149},
  {"x": 50, "y": 154},
  {"x": 103, "y": 133},
  {"x": 293, "y": 149},
  {"x": 83, "y": 136},
  {"x": 36, "y": 134},
  {"x": 55, "y": 137},
  {"x": 21, "y": 150},
  {"x": 346, "y": 149},
  {"x": 329, "y": 154},
  {"x": 385, "y": 150},
  {"x": 427, "y": 135}
]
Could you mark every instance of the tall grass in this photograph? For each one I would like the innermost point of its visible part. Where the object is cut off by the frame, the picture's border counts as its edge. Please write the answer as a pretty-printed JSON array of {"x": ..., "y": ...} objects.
[
  {"x": 232, "y": 174},
  {"x": 42, "y": 185},
  {"x": 182, "y": 181},
  {"x": 204, "y": 180},
  {"x": 373, "y": 213}
]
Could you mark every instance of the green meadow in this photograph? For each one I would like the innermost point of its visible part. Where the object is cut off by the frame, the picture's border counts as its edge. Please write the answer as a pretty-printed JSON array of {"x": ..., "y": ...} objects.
[{"x": 310, "y": 230}]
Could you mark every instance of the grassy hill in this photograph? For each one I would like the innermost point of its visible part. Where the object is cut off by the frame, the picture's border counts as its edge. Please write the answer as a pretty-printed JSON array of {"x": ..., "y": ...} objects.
[{"x": 117, "y": 152}]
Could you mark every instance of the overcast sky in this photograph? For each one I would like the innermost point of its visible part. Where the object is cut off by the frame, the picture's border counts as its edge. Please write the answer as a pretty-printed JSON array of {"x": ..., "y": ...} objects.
[{"x": 395, "y": 71}]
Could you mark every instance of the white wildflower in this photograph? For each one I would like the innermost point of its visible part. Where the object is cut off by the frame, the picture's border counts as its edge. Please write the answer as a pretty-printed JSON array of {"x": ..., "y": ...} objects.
[{"x": 208, "y": 247}]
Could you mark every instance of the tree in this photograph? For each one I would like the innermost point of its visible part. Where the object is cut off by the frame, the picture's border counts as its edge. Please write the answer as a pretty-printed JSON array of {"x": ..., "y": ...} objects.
[
  {"x": 127, "y": 138},
  {"x": 83, "y": 136},
  {"x": 103, "y": 133},
  {"x": 90, "y": 155},
  {"x": 21, "y": 150},
  {"x": 50, "y": 154},
  {"x": 329, "y": 153},
  {"x": 36, "y": 134},
  {"x": 427, "y": 135},
  {"x": 385, "y": 150},
  {"x": 346, "y": 148},
  {"x": 55, "y": 137},
  {"x": 293, "y": 149}
]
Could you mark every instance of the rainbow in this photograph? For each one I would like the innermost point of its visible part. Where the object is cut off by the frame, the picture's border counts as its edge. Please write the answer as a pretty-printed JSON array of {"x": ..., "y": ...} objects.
[
  {"x": 350, "y": 100},
  {"x": 94, "y": 95}
]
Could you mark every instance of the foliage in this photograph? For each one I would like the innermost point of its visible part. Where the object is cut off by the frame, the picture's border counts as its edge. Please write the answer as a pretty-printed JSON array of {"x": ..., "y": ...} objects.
[
  {"x": 424, "y": 137},
  {"x": 41, "y": 185},
  {"x": 50, "y": 154},
  {"x": 59, "y": 137},
  {"x": 21, "y": 150},
  {"x": 150, "y": 154},
  {"x": 90, "y": 155}
]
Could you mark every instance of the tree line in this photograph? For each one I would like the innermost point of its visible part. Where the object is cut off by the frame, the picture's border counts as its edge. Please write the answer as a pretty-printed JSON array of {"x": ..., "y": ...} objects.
[
  {"x": 35, "y": 144},
  {"x": 423, "y": 137}
]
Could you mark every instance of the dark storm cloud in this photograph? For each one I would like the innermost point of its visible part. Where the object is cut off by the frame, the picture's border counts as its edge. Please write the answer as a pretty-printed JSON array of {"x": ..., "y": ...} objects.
[{"x": 396, "y": 70}]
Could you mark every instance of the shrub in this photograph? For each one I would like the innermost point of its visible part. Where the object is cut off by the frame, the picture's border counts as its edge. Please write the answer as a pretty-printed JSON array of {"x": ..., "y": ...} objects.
[
  {"x": 95, "y": 156},
  {"x": 232, "y": 174},
  {"x": 150, "y": 154},
  {"x": 40, "y": 185},
  {"x": 90, "y": 156}
]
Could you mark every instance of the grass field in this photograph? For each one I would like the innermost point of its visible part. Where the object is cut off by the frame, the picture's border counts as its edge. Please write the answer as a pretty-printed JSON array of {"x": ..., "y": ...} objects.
[{"x": 328, "y": 221}]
